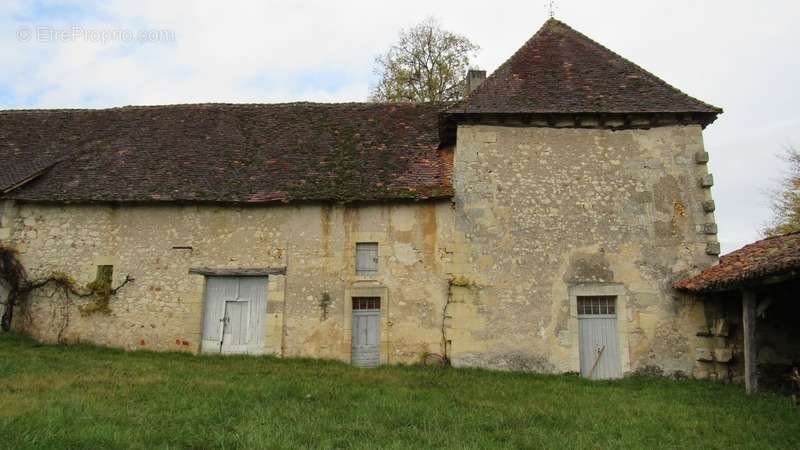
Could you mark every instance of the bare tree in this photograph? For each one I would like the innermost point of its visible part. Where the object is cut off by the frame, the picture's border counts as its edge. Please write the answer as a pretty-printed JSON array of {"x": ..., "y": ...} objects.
[
  {"x": 427, "y": 64},
  {"x": 786, "y": 198}
]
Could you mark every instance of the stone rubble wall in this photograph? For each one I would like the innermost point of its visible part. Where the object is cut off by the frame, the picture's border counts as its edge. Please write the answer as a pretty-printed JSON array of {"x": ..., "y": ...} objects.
[
  {"x": 541, "y": 212},
  {"x": 163, "y": 308}
]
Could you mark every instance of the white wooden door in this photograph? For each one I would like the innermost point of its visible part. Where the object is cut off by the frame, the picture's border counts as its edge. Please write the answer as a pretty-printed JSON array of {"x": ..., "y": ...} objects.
[
  {"x": 599, "y": 340},
  {"x": 235, "y": 333},
  {"x": 366, "y": 332},
  {"x": 235, "y": 315}
]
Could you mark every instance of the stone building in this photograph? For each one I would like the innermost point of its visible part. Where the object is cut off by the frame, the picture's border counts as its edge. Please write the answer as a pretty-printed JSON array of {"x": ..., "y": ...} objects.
[{"x": 537, "y": 225}]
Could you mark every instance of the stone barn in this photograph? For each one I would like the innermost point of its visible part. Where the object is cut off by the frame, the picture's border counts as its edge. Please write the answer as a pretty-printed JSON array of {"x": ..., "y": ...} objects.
[{"x": 538, "y": 224}]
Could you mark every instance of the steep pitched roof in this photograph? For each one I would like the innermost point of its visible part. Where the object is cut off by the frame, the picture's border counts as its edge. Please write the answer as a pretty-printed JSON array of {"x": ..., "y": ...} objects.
[
  {"x": 765, "y": 258},
  {"x": 559, "y": 70},
  {"x": 227, "y": 153}
]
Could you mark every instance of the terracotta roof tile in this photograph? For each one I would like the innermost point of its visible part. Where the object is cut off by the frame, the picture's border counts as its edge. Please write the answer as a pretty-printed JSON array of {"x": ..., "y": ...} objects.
[
  {"x": 227, "y": 153},
  {"x": 559, "y": 70},
  {"x": 767, "y": 257}
]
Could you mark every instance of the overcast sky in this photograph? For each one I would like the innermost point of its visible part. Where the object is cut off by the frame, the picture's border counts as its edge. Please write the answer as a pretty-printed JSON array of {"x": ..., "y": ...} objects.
[{"x": 741, "y": 56}]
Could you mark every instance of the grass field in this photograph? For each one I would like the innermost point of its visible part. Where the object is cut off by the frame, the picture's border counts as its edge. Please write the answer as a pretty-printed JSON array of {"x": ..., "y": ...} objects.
[{"x": 84, "y": 397}]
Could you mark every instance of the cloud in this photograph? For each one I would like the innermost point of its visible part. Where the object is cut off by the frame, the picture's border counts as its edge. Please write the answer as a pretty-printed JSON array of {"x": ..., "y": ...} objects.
[{"x": 740, "y": 57}]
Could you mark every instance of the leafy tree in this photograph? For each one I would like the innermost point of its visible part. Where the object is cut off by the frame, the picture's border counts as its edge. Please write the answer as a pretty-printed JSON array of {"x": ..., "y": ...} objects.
[
  {"x": 786, "y": 198},
  {"x": 427, "y": 64}
]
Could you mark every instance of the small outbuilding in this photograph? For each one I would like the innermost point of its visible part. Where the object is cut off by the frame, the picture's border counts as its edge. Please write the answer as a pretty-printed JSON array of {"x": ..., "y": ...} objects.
[{"x": 752, "y": 298}]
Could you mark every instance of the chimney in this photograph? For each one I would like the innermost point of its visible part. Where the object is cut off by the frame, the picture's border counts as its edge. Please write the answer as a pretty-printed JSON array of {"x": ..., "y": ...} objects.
[{"x": 474, "y": 79}]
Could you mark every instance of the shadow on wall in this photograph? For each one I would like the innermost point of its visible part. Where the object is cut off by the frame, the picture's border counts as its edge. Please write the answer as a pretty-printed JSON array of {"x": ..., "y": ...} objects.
[
  {"x": 3, "y": 297},
  {"x": 777, "y": 337}
]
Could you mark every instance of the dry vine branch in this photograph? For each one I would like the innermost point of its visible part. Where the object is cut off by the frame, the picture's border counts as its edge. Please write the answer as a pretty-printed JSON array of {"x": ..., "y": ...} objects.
[{"x": 13, "y": 273}]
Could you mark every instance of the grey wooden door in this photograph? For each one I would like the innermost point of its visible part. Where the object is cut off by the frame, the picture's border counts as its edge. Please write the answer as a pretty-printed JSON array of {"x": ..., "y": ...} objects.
[
  {"x": 235, "y": 330},
  {"x": 599, "y": 340},
  {"x": 235, "y": 315},
  {"x": 366, "y": 332}
]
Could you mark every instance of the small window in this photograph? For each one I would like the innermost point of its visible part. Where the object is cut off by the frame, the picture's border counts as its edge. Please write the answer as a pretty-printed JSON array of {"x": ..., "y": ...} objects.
[
  {"x": 367, "y": 258},
  {"x": 360, "y": 303},
  {"x": 595, "y": 306},
  {"x": 105, "y": 274}
]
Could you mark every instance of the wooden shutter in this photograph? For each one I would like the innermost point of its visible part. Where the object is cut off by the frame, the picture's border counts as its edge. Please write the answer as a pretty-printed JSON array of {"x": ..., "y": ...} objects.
[{"x": 366, "y": 258}]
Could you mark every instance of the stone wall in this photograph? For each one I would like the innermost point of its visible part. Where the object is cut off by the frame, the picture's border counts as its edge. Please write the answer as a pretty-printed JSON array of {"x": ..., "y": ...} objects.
[
  {"x": 543, "y": 212},
  {"x": 158, "y": 245},
  {"x": 540, "y": 216}
]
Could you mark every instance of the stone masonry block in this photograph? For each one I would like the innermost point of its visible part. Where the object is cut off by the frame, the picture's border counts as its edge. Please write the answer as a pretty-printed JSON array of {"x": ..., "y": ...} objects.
[
  {"x": 704, "y": 354},
  {"x": 712, "y": 248},
  {"x": 707, "y": 181},
  {"x": 710, "y": 228},
  {"x": 723, "y": 355},
  {"x": 709, "y": 206},
  {"x": 701, "y": 157}
]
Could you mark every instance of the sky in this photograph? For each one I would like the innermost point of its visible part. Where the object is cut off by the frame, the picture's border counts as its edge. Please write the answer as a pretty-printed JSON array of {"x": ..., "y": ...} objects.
[{"x": 741, "y": 56}]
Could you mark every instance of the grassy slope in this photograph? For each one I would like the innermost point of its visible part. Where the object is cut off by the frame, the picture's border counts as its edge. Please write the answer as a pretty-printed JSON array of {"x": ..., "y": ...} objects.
[{"x": 84, "y": 397}]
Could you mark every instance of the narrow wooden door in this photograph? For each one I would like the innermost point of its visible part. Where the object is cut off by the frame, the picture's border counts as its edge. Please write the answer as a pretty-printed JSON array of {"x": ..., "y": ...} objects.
[
  {"x": 366, "y": 332},
  {"x": 235, "y": 335},
  {"x": 599, "y": 341}
]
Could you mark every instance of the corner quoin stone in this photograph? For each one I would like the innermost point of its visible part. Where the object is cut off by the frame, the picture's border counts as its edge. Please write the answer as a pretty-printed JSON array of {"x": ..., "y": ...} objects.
[
  {"x": 701, "y": 157},
  {"x": 704, "y": 354},
  {"x": 723, "y": 355}
]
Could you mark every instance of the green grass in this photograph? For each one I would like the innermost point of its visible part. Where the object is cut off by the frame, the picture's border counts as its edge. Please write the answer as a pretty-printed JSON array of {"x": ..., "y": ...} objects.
[{"x": 86, "y": 397}]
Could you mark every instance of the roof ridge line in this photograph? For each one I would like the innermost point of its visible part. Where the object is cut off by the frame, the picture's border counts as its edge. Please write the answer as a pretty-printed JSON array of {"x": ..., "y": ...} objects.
[{"x": 218, "y": 104}]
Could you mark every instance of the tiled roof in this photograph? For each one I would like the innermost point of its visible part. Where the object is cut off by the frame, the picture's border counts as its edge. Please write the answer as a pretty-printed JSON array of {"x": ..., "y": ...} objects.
[
  {"x": 559, "y": 70},
  {"x": 227, "y": 153},
  {"x": 766, "y": 258}
]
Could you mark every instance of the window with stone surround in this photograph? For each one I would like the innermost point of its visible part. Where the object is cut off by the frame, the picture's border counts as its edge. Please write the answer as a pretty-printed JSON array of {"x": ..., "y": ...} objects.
[{"x": 367, "y": 258}]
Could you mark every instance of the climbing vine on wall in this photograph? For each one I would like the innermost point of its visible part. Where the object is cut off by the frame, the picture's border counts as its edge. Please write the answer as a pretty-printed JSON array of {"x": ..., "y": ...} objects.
[{"x": 20, "y": 286}]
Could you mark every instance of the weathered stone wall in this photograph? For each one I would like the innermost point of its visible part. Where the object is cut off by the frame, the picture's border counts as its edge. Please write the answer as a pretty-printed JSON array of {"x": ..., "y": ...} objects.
[
  {"x": 540, "y": 216},
  {"x": 543, "y": 213},
  {"x": 163, "y": 308}
]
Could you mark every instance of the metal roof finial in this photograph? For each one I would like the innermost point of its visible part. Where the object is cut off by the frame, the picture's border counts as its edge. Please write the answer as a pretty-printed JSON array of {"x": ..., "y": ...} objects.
[{"x": 551, "y": 8}]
